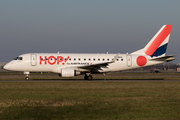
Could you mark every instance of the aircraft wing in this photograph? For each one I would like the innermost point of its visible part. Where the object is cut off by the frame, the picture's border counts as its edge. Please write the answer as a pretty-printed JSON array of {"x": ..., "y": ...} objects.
[{"x": 98, "y": 66}]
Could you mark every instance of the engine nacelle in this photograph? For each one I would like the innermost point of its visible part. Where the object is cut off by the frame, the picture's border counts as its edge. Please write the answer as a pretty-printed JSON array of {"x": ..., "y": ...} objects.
[{"x": 69, "y": 72}]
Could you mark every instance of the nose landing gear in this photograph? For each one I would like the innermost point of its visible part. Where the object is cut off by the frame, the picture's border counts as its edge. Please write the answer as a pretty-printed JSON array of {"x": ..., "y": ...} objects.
[{"x": 26, "y": 75}]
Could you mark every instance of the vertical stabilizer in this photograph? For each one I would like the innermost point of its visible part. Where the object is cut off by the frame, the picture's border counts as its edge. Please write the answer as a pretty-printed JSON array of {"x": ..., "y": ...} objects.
[{"x": 158, "y": 44}]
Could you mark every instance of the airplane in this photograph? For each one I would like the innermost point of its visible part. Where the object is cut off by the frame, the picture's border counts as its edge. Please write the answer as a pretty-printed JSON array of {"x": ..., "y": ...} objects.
[{"x": 70, "y": 65}]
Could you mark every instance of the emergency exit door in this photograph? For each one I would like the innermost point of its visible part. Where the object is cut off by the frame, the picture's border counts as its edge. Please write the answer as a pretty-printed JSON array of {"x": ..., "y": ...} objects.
[
  {"x": 129, "y": 60},
  {"x": 33, "y": 59}
]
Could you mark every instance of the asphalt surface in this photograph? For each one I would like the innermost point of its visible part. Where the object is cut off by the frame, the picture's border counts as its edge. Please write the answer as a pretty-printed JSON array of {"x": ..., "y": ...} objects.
[{"x": 90, "y": 81}]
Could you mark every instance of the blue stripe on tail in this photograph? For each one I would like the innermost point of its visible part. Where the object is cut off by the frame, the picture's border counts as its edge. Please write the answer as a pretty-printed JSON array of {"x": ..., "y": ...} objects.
[{"x": 160, "y": 51}]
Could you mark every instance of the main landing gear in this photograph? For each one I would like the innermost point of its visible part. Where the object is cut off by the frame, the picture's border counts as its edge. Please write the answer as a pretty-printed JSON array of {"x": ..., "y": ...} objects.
[
  {"x": 26, "y": 75},
  {"x": 88, "y": 76}
]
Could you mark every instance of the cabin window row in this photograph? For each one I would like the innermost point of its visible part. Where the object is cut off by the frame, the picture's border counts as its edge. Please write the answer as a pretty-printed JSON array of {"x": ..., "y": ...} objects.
[{"x": 84, "y": 59}]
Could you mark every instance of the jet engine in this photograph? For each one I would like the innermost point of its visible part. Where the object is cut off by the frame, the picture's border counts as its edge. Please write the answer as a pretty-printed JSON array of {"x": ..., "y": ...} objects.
[{"x": 69, "y": 72}]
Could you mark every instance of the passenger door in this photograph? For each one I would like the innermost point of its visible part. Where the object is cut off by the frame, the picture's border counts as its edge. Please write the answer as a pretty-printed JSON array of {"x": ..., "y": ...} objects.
[
  {"x": 33, "y": 59},
  {"x": 129, "y": 60}
]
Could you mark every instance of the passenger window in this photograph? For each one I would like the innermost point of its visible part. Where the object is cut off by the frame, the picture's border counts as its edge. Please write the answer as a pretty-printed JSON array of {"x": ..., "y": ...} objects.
[
  {"x": 107, "y": 59},
  {"x": 121, "y": 59},
  {"x": 74, "y": 59},
  {"x": 84, "y": 59},
  {"x": 103, "y": 59},
  {"x": 98, "y": 59},
  {"x": 79, "y": 59},
  {"x": 94, "y": 59},
  {"x": 89, "y": 59}
]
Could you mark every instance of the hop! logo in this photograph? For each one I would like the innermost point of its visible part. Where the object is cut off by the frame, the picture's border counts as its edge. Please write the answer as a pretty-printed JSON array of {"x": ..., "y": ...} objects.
[{"x": 53, "y": 60}]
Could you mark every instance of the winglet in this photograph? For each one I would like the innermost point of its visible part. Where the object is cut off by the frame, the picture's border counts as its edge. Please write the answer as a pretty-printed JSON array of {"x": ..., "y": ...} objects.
[{"x": 114, "y": 59}]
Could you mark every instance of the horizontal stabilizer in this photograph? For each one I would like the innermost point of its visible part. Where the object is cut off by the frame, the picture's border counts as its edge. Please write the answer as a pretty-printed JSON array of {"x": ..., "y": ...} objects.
[{"x": 165, "y": 58}]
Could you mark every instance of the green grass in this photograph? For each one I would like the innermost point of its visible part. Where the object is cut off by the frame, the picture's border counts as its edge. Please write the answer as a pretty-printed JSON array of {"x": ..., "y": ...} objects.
[
  {"x": 109, "y": 76},
  {"x": 90, "y": 100}
]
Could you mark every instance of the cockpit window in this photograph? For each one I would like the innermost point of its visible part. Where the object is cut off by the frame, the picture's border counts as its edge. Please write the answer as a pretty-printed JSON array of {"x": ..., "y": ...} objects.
[{"x": 18, "y": 58}]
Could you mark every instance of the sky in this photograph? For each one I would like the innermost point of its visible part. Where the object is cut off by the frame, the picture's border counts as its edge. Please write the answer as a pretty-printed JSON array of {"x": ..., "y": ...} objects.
[{"x": 85, "y": 26}]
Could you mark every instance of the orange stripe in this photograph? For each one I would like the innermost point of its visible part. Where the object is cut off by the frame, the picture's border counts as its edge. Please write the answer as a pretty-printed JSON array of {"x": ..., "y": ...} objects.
[{"x": 158, "y": 40}]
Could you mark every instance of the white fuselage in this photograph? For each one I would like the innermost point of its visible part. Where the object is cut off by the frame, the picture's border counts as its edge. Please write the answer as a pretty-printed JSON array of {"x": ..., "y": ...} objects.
[{"x": 54, "y": 62}]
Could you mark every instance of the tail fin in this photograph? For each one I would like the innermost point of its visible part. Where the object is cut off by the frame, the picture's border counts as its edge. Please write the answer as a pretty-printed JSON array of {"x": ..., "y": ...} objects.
[{"x": 158, "y": 44}]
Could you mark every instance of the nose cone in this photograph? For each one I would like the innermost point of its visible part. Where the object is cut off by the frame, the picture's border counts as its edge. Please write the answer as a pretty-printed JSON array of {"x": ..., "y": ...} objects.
[{"x": 7, "y": 67}]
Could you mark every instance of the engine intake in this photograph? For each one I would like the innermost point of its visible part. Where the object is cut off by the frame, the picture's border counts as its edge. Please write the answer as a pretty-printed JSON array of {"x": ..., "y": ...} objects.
[{"x": 69, "y": 72}]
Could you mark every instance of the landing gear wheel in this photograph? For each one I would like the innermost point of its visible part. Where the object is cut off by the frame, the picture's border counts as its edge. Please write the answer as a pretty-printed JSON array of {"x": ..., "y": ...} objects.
[
  {"x": 27, "y": 78},
  {"x": 88, "y": 77}
]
